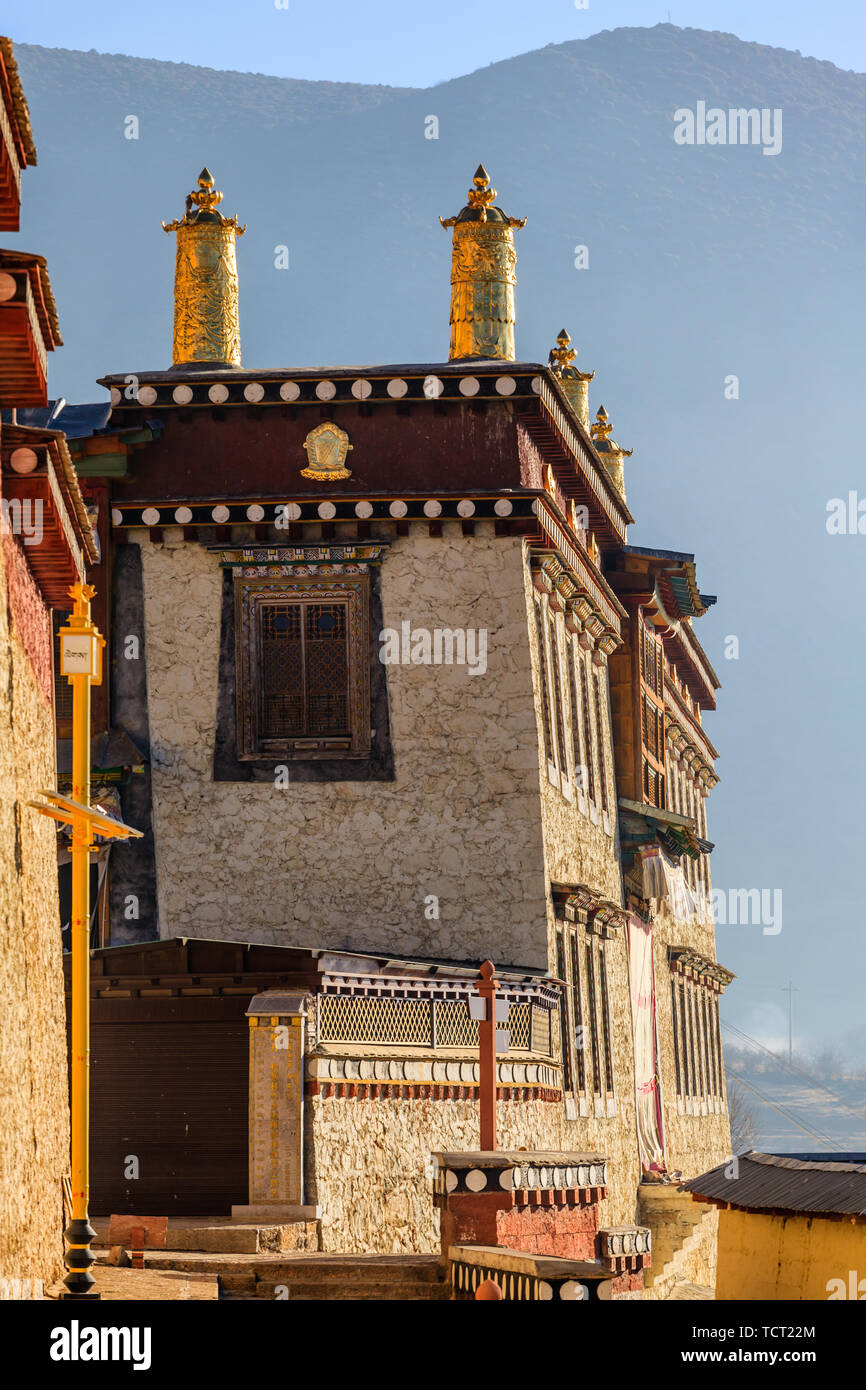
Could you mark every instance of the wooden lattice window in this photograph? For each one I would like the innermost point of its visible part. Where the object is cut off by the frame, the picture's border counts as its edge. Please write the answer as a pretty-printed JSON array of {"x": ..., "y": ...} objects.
[
  {"x": 595, "y": 1037},
  {"x": 62, "y": 687},
  {"x": 574, "y": 701},
  {"x": 560, "y": 757},
  {"x": 599, "y": 728},
  {"x": 687, "y": 1055},
  {"x": 566, "y": 1039},
  {"x": 652, "y": 721},
  {"x": 303, "y": 660},
  {"x": 577, "y": 1016},
  {"x": 587, "y": 726},
  {"x": 675, "y": 1028},
  {"x": 605, "y": 1017},
  {"x": 304, "y": 670},
  {"x": 545, "y": 684}
]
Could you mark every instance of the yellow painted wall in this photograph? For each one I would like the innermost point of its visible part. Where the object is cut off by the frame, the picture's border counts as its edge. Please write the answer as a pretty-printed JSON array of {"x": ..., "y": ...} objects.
[{"x": 788, "y": 1257}]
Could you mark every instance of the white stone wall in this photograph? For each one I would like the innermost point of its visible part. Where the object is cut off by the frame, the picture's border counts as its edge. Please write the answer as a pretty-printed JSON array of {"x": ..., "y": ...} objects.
[
  {"x": 368, "y": 1163},
  {"x": 351, "y": 864}
]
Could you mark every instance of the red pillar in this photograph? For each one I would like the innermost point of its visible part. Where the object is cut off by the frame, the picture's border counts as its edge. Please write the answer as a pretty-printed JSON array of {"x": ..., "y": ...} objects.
[{"x": 487, "y": 1048}]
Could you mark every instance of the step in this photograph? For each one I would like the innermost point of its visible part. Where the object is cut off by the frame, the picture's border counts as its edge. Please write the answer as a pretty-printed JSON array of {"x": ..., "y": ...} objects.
[
  {"x": 222, "y": 1235},
  {"x": 682, "y": 1292},
  {"x": 300, "y": 1265},
  {"x": 348, "y": 1290}
]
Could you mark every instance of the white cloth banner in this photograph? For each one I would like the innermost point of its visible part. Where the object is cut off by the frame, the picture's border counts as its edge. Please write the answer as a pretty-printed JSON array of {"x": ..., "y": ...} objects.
[
  {"x": 664, "y": 879},
  {"x": 647, "y": 1082}
]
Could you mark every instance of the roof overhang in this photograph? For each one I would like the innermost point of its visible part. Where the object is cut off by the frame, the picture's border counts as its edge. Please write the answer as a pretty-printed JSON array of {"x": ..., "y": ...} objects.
[{"x": 17, "y": 149}]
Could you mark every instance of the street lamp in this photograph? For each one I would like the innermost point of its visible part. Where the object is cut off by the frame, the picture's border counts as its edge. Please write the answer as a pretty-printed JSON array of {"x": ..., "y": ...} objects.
[{"x": 81, "y": 647}]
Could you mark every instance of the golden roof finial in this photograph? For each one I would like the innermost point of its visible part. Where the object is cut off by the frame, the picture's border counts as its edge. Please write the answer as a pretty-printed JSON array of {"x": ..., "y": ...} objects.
[
  {"x": 206, "y": 280},
  {"x": 562, "y": 355},
  {"x": 483, "y": 261},
  {"x": 575, "y": 383},
  {"x": 602, "y": 426},
  {"x": 611, "y": 453}
]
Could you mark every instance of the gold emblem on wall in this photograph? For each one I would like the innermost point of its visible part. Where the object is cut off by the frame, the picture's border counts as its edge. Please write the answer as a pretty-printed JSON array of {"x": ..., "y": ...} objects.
[{"x": 327, "y": 446}]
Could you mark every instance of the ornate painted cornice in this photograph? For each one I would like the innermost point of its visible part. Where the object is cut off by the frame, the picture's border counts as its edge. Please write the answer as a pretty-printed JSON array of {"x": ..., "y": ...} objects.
[{"x": 696, "y": 966}]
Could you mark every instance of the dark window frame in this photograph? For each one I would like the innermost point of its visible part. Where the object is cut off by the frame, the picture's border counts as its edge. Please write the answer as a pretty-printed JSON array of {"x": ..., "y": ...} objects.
[{"x": 254, "y": 595}]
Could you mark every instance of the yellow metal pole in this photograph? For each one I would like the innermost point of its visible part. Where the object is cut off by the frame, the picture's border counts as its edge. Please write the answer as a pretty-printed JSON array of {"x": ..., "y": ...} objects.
[{"x": 79, "y": 1257}]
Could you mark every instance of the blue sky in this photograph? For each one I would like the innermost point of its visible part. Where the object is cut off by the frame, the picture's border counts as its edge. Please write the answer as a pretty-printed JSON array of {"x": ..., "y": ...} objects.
[{"x": 402, "y": 44}]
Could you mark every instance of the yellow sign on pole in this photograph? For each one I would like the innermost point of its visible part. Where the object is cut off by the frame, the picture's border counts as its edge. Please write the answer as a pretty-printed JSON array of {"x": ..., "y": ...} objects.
[{"x": 81, "y": 646}]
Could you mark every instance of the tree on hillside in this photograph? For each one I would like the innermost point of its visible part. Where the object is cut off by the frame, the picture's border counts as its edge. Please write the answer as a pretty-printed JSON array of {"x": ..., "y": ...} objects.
[{"x": 744, "y": 1123}]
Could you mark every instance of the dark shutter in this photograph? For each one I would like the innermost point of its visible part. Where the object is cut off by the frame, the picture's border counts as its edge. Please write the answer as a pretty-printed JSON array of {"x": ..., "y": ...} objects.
[{"x": 175, "y": 1095}]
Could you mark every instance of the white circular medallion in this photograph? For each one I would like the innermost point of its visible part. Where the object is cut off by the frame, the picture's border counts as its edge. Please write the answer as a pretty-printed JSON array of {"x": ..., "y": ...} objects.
[
  {"x": 450, "y": 1180},
  {"x": 465, "y": 508},
  {"x": 255, "y": 512},
  {"x": 146, "y": 395},
  {"x": 326, "y": 510},
  {"x": 289, "y": 391},
  {"x": 292, "y": 511},
  {"x": 398, "y": 509},
  {"x": 326, "y": 390},
  {"x": 503, "y": 507},
  {"x": 476, "y": 1180},
  {"x": 397, "y": 388},
  {"x": 254, "y": 392},
  {"x": 572, "y": 1292},
  {"x": 182, "y": 395},
  {"x": 506, "y": 385},
  {"x": 24, "y": 460},
  {"x": 363, "y": 509},
  {"x": 536, "y": 385},
  {"x": 220, "y": 514},
  {"x": 218, "y": 393},
  {"x": 469, "y": 386},
  {"x": 433, "y": 508},
  {"x": 361, "y": 390},
  {"x": 183, "y": 516},
  {"x": 116, "y": 517},
  {"x": 544, "y": 1291},
  {"x": 116, "y": 396},
  {"x": 150, "y": 516}
]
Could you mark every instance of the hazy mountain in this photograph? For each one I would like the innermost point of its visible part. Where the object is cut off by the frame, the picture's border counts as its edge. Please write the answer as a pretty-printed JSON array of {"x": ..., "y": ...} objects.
[{"x": 704, "y": 261}]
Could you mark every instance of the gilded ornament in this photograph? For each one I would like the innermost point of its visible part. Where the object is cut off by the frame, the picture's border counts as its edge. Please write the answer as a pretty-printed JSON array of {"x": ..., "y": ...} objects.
[
  {"x": 610, "y": 452},
  {"x": 206, "y": 327},
  {"x": 574, "y": 382},
  {"x": 327, "y": 446},
  {"x": 483, "y": 274}
]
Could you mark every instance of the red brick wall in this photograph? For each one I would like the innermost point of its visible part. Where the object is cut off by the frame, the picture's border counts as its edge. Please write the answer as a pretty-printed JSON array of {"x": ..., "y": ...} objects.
[
  {"x": 568, "y": 1232},
  {"x": 30, "y": 618}
]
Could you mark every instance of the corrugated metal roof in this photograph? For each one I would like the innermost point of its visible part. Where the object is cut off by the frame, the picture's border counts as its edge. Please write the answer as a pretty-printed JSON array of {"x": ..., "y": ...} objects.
[{"x": 778, "y": 1182}]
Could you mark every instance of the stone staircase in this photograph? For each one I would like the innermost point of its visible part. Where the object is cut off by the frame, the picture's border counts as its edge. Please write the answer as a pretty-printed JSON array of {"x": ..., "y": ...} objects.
[
  {"x": 282, "y": 1262},
  {"x": 314, "y": 1276},
  {"x": 684, "y": 1234}
]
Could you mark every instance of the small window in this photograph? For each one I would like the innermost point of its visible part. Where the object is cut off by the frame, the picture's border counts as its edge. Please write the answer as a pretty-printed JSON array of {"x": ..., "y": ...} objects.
[
  {"x": 652, "y": 719},
  {"x": 561, "y": 759},
  {"x": 587, "y": 726},
  {"x": 62, "y": 686},
  {"x": 599, "y": 729},
  {"x": 545, "y": 684},
  {"x": 303, "y": 683}
]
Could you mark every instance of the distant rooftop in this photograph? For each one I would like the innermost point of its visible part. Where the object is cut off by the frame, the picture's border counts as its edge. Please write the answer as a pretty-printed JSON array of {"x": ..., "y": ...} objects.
[
  {"x": 76, "y": 421},
  {"x": 831, "y": 1184}
]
